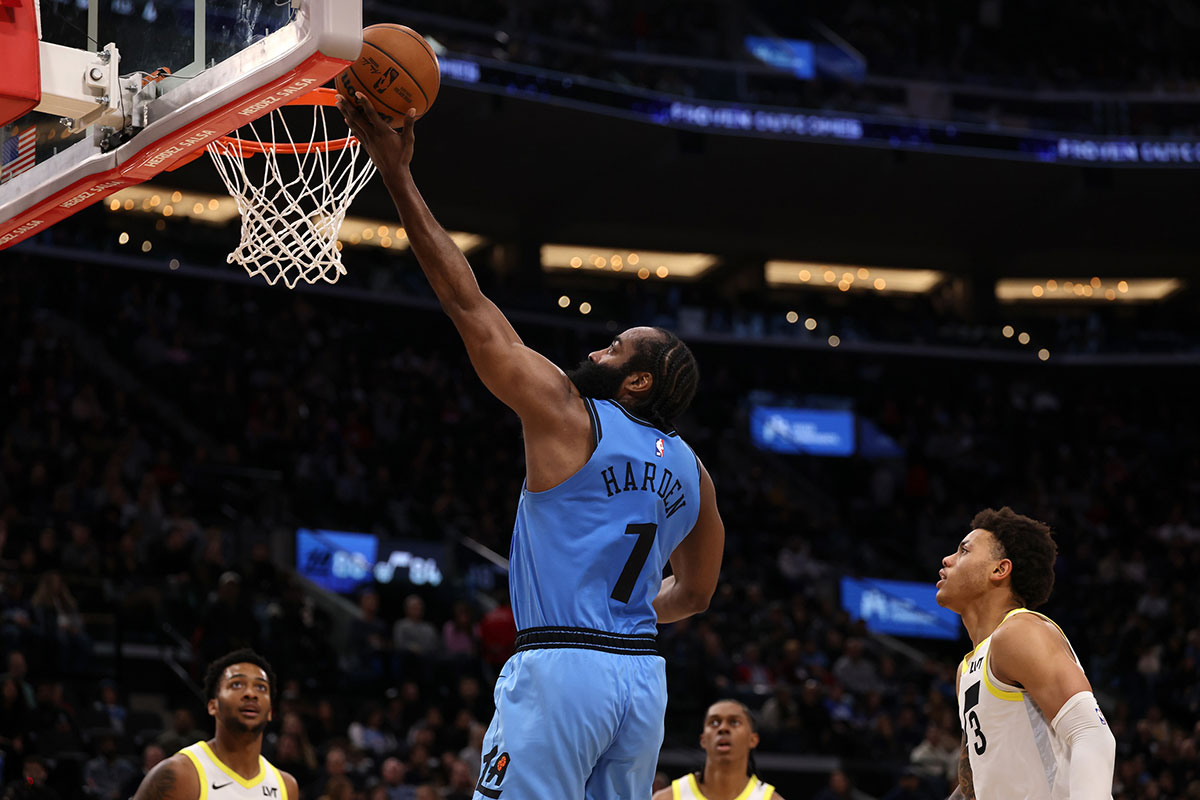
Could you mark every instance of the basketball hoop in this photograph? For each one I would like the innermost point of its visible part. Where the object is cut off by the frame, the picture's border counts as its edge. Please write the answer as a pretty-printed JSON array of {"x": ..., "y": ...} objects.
[{"x": 291, "y": 216}]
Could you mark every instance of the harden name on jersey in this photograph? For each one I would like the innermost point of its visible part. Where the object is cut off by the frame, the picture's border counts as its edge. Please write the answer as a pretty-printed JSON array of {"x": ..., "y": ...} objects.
[{"x": 665, "y": 485}]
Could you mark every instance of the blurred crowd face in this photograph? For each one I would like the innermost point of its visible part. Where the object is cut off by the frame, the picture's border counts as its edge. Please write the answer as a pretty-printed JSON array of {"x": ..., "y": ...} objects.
[
  {"x": 393, "y": 771},
  {"x": 335, "y": 761},
  {"x": 728, "y": 735},
  {"x": 151, "y": 756}
]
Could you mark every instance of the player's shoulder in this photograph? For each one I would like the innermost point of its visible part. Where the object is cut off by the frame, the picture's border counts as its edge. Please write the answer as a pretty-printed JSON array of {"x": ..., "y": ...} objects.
[
  {"x": 1024, "y": 640},
  {"x": 663, "y": 794},
  {"x": 290, "y": 784},
  {"x": 1024, "y": 629},
  {"x": 173, "y": 778}
]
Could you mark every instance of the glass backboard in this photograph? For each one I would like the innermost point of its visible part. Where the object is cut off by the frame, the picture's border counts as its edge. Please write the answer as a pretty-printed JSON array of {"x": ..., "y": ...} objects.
[
  {"x": 207, "y": 56},
  {"x": 181, "y": 36}
]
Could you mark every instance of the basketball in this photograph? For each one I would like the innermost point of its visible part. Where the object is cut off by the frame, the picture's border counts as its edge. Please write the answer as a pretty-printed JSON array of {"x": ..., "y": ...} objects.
[{"x": 397, "y": 71}]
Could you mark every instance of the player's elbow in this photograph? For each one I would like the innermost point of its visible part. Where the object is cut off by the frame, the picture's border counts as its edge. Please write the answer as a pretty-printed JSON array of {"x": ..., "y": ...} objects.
[{"x": 697, "y": 600}]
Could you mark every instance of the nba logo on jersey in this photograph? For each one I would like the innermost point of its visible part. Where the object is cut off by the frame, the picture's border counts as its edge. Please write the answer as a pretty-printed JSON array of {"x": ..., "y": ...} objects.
[{"x": 660, "y": 447}]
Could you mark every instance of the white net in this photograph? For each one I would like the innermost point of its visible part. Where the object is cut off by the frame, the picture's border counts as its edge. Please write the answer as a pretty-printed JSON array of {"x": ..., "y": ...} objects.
[{"x": 293, "y": 209}]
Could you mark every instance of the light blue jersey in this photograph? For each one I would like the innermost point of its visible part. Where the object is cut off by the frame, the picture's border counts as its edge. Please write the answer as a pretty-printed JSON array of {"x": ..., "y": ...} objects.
[
  {"x": 580, "y": 705},
  {"x": 590, "y": 552}
]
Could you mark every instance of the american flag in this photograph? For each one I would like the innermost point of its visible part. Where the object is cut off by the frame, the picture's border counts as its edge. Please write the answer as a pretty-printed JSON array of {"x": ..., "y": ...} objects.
[{"x": 18, "y": 154}]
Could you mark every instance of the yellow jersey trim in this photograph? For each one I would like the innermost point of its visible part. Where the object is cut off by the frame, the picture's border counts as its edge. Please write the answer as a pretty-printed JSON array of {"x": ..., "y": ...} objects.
[
  {"x": 746, "y": 792},
  {"x": 967, "y": 657},
  {"x": 1015, "y": 697},
  {"x": 1010, "y": 694},
  {"x": 249, "y": 784},
  {"x": 283, "y": 792},
  {"x": 1043, "y": 616},
  {"x": 199, "y": 772}
]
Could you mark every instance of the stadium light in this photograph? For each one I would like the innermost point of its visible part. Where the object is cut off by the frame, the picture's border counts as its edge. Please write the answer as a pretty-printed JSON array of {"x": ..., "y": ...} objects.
[
  {"x": 646, "y": 263},
  {"x": 851, "y": 277},
  {"x": 1087, "y": 290}
]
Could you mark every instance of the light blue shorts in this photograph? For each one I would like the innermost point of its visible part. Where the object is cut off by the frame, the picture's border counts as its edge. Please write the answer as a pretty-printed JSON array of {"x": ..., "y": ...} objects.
[{"x": 574, "y": 724}]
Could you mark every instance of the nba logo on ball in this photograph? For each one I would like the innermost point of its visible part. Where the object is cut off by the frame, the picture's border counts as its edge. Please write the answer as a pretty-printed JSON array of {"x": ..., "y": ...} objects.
[
  {"x": 386, "y": 79},
  {"x": 659, "y": 448}
]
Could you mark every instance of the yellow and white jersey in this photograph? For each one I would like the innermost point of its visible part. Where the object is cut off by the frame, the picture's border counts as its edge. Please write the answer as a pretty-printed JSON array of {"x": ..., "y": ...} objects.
[
  {"x": 686, "y": 788},
  {"x": 1015, "y": 753},
  {"x": 219, "y": 782}
]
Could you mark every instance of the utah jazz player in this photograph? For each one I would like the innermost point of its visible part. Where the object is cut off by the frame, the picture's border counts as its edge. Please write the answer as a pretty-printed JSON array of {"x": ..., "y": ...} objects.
[
  {"x": 1032, "y": 728},
  {"x": 728, "y": 739},
  {"x": 611, "y": 492},
  {"x": 229, "y": 766}
]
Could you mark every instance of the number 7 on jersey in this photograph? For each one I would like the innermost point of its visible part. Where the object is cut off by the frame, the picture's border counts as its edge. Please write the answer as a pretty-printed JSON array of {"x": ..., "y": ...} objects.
[{"x": 645, "y": 531}]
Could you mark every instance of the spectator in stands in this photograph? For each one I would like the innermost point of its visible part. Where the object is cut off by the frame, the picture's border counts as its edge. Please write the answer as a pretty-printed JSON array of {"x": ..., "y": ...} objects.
[
  {"x": 106, "y": 775},
  {"x": 497, "y": 634},
  {"x": 839, "y": 788},
  {"x": 16, "y": 721},
  {"x": 333, "y": 772},
  {"x": 909, "y": 787},
  {"x": 80, "y": 556},
  {"x": 472, "y": 754},
  {"x": 367, "y": 645},
  {"x": 289, "y": 757},
  {"x": 227, "y": 623},
  {"x": 338, "y": 788},
  {"x": 391, "y": 777},
  {"x": 152, "y": 753},
  {"x": 182, "y": 733},
  {"x": 461, "y": 785},
  {"x": 460, "y": 635},
  {"x": 53, "y": 714},
  {"x": 16, "y": 615},
  {"x": 936, "y": 757},
  {"x": 18, "y": 670},
  {"x": 473, "y": 700},
  {"x": 413, "y": 634},
  {"x": 59, "y": 624},
  {"x": 109, "y": 705},
  {"x": 753, "y": 674},
  {"x": 33, "y": 785},
  {"x": 370, "y": 735},
  {"x": 855, "y": 671},
  {"x": 304, "y": 761},
  {"x": 780, "y": 717}
]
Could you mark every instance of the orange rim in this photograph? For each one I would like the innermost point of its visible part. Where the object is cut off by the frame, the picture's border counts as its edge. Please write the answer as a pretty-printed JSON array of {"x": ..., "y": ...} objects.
[{"x": 317, "y": 97}]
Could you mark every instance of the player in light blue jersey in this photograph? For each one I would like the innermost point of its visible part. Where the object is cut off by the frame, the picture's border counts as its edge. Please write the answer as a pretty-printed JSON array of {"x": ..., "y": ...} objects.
[{"x": 611, "y": 494}]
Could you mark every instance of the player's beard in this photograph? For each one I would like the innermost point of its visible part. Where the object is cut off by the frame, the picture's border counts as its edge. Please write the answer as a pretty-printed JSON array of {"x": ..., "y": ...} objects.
[
  {"x": 234, "y": 723},
  {"x": 596, "y": 380}
]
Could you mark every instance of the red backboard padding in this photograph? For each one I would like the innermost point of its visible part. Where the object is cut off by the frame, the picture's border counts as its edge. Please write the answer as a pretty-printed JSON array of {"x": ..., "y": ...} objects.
[{"x": 20, "y": 74}]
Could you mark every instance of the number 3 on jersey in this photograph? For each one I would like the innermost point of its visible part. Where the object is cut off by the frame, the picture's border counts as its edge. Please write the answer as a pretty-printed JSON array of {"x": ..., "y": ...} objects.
[
  {"x": 971, "y": 719},
  {"x": 645, "y": 531}
]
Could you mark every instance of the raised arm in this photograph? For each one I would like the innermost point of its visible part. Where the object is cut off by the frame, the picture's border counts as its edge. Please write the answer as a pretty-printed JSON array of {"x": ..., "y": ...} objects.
[
  {"x": 696, "y": 562},
  {"x": 522, "y": 379},
  {"x": 1031, "y": 652}
]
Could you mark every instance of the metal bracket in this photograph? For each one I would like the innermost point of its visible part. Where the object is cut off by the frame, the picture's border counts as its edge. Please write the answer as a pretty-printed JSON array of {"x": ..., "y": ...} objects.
[{"x": 80, "y": 86}]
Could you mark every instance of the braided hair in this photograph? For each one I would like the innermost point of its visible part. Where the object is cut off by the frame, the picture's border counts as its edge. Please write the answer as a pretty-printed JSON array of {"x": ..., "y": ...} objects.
[{"x": 675, "y": 376}]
